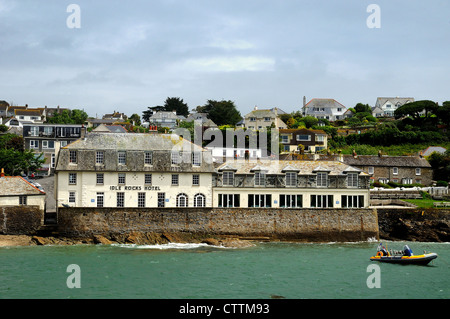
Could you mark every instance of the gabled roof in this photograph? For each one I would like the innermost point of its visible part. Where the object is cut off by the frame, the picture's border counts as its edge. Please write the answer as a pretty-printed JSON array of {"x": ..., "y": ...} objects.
[
  {"x": 325, "y": 103},
  {"x": 387, "y": 161},
  {"x": 394, "y": 100},
  {"x": 133, "y": 142},
  {"x": 431, "y": 149},
  {"x": 28, "y": 112},
  {"x": 281, "y": 166},
  {"x": 16, "y": 186}
]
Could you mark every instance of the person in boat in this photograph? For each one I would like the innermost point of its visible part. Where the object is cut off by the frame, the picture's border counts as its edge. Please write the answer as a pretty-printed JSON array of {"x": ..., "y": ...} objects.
[
  {"x": 407, "y": 251},
  {"x": 382, "y": 251}
]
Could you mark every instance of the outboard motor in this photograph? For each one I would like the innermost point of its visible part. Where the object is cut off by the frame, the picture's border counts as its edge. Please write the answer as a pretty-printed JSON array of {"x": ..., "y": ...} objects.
[{"x": 407, "y": 251}]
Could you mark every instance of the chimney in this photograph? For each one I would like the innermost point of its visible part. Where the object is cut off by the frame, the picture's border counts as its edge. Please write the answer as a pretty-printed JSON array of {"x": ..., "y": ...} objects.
[
  {"x": 304, "y": 101},
  {"x": 2, "y": 173},
  {"x": 83, "y": 132},
  {"x": 354, "y": 154},
  {"x": 379, "y": 153},
  {"x": 256, "y": 107}
]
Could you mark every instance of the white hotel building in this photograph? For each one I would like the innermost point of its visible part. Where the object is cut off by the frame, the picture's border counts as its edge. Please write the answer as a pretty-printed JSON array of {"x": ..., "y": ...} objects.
[
  {"x": 159, "y": 170},
  {"x": 133, "y": 170}
]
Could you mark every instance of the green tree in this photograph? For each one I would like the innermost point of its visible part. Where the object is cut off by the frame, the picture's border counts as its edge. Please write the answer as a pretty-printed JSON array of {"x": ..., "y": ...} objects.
[
  {"x": 222, "y": 112},
  {"x": 136, "y": 119},
  {"x": 68, "y": 117},
  {"x": 17, "y": 162},
  {"x": 362, "y": 108},
  {"x": 310, "y": 121},
  {"x": 415, "y": 109},
  {"x": 176, "y": 104}
]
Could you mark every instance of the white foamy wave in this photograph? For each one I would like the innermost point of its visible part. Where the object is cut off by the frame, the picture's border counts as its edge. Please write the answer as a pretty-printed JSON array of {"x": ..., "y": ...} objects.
[{"x": 165, "y": 246}]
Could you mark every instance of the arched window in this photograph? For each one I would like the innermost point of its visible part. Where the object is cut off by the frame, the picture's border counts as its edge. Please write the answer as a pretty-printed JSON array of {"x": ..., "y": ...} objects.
[
  {"x": 182, "y": 200},
  {"x": 199, "y": 200}
]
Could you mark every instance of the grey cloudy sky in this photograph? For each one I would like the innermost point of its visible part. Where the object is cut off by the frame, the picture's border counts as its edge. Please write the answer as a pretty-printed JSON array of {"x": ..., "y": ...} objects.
[{"x": 129, "y": 55}]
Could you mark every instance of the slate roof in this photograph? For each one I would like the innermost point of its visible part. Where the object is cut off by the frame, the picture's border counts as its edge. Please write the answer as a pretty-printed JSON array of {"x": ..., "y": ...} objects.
[
  {"x": 133, "y": 142},
  {"x": 16, "y": 185},
  {"x": 394, "y": 100},
  {"x": 327, "y": 104},
  {"x": 387, "y": 161},
  {"x": 431, "y": 149},
  {"x": 280, "y": 167}
]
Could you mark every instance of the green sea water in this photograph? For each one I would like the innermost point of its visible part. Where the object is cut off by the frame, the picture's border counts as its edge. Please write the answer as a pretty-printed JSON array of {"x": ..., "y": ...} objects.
[{"x": 183, "y": 271}]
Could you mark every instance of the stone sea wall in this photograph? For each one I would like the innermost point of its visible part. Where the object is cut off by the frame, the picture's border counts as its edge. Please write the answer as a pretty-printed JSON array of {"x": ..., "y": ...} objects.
[
  {"x": 427, "y": 225},
  {"x": 320, "y": 225},
  {"x": 20, "y": 220}
]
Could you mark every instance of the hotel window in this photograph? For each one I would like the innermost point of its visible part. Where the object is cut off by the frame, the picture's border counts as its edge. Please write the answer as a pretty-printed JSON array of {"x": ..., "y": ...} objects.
[
  {"x": 196, "y": 180},
  {"x": 100, "y": 178},
  {"x": 418, "y": 171},
  {"x": 303, "y": 137},
  {"x": 121, "y": 179},
  {"x": 48, "y": 144},
  {"x": 53, "y": 161},
  {"x": 196, "y": 158},
  {"x": 322, "y": 179},
  {"x": 253, "y": 119},
  {"x": 22, "y": 200},
  {"x": 228, "y": 179},
  {"x": 257, "y": 200},
  {"x": 34, "y": 131},
  {"x": 175, "y": 178},
  {"x": 291, "y": 201},
  {"x": 99, "y": 157},
  {"x": 141, "y": 199},
  {"x": 161, "y": 199},
  {"x": 291, "y": 179},
  {"x": 148, "y": 158},
  {"x": 407, "y": 181},
  {"x": 122, "y": 157},
  {"x": 48, "y": 130},
  {"x": 72, "y": 178},
  {"x": 176, "y": 158},
  {"x": 199, "y": 200},
  {"x": 100, "y": 199},
  {"x": 352, "y": 180},
  {"x": 229, "y": 200},
  {"x": 352, "y": 201},
  {"x": 371, "y": 170},
  {"x": 260, "y": 179},
  {"x": 73, "y": 157},
  {"x": 120, "y": 199},
  {"x": 148, "y": 179},
  {"x": 64, "y": 143},
  {"x": 320, "y": 138},
  {"x": 395, "y": 170},
  {"x": 34, "y": 144},
  {"x": 284, "y": 139},
  {"x": 71, "y": 197},
  {"x": 267, "y": 119},
  {"x": 182, "y": 200},
  {"x": 321, "y": 201}
]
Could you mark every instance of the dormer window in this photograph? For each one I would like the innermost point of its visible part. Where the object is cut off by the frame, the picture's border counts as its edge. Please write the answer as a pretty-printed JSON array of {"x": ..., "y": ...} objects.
[
  {"x": 228, "y": 178},
  {"x": 352, "y": 180},
  {"x": 260, "y": 178},
  {"x": 291, "y": 179},
  {"x": 322, "y": 179}
]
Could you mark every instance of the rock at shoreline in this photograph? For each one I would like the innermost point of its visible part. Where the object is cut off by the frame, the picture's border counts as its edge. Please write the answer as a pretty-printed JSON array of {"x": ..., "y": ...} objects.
[{"x": 99, "y": 239}]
